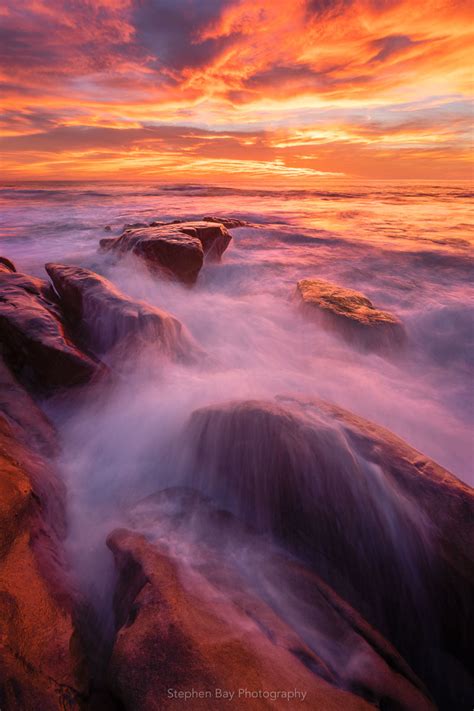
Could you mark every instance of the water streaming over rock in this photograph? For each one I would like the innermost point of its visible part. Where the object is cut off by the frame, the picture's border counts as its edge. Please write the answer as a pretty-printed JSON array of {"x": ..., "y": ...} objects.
[{"x": 299, "y": 478}]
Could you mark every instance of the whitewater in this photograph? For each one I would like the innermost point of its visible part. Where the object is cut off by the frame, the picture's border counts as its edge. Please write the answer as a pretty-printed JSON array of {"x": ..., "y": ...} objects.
[
  {"x": 240, "y": 496},
  {"x": 408, "y": 247}
]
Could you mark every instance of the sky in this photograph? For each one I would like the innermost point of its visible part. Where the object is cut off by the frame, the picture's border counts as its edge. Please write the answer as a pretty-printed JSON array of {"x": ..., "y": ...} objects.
[{"x": 224, "y": 91}]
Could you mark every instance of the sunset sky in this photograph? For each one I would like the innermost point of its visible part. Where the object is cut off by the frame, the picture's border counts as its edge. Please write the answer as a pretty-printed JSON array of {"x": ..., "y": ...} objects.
[{"x": 236, "y": 90}]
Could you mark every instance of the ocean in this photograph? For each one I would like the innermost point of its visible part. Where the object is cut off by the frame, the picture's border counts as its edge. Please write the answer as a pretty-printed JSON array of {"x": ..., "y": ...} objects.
[
  {"x": 408, "y": 247},
  {"x": 138, "y": 447}
]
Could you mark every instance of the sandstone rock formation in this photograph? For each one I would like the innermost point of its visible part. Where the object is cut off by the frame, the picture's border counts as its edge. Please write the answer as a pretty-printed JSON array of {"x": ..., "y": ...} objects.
[
  {"x": 6, "y": 265},
  {"x": 177, "y": 249},
  {"x": 33, "y": 338},
  {"x": 41, "y": 659},
  {"x": 105, "y": 318},
  {"x": 350, "y": 314},
  {"x": 201, "y": 622},
  {"x": 134, "y": 226},
  {"x": 354, "y": 502},
  {"x": 229, "y": 222}
]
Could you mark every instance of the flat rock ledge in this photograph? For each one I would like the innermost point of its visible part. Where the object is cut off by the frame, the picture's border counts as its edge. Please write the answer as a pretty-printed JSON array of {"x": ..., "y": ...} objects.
[{"x": 350, "y": 314}]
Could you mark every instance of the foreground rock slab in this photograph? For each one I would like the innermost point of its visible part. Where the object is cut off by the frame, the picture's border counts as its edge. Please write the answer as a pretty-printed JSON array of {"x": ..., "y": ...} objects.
[
  {"x": 176, "y": 250},
  {"x": 42, "y": 665},
  {"x": 105, "y": 318},
  {"x": 34, "y": 340},
  {"x": 349, "y": 313},
  {"x": 206, "y": 622},
  {"x": 350, "y": 498}
]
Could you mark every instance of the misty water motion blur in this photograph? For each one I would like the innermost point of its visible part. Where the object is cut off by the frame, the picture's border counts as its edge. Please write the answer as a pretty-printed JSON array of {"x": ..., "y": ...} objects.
[{"x": 406, "y": 248}]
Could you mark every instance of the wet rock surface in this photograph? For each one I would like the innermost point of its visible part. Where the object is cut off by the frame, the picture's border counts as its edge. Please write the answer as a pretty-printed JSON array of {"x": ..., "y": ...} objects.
[
  {"x": 107, "y": 319},
  {"x": 42, "y": 662},
  {"x": 7, "y": 265},
  {"x": 175, "y": 249},
  {"x": 335, "y": 488},
  {"x": 350, "y": 314},
  {"x": 305, "y": 549},
  {"x": 34, "y": 341},
  {"x": 190, "y": 616},
  {"x": 229, "y": 222}
]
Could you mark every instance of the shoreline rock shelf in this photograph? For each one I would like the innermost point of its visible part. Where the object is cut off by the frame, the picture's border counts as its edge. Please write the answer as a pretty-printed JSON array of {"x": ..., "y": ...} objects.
[
  {"x": 176, "y": 249},
  {"x": 34, "y": 341},
  {"x": 349, "y": 313},
  {"x": 105, "y": 318}
]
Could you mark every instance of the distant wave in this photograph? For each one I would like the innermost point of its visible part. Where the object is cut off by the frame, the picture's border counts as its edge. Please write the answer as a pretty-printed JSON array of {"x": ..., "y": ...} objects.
[{"x": 58, "y": 190}]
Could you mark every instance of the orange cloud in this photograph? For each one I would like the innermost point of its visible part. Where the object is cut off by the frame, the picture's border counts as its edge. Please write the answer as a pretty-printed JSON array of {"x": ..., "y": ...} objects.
[{"x": 236, "y": 89}]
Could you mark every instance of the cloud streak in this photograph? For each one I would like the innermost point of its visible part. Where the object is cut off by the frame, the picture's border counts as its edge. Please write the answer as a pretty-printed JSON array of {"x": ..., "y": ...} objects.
[{"x": 226, "y": 88}]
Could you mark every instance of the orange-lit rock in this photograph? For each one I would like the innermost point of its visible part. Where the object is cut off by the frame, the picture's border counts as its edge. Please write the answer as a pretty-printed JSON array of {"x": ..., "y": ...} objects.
[
  {"x": 350, "y": 314},
  {"x": 7, "y": 265},
  {"x": 41, "y": 659},
  {"x": 34, "y": 341},
  {"x": 228, "y": 222},
  {"x": 105, "y": 318},
  {"x": 200, "y": 622}
]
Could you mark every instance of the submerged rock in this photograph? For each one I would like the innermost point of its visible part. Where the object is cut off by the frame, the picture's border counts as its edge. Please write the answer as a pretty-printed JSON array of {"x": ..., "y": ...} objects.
[
  {"x": 105, "y": 318},
  {"x": 177, "y": 249},
  {"x": 350, "y": 314},
  {"x": 192, "y": 614},
  {"x": 41, "y": 659},
  {"x": 33, "y": 338},
  {"x": 391, "y": 530}
]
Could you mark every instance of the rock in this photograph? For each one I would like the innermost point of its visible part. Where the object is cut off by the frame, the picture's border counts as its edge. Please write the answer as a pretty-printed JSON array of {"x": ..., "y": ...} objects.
[
  {"x": 350, "y": 314},
  {"x": 228, "y": 222},
  {"x": 106, "y": 243},
  {"x": 207, "y": 622},
  {"x": 175, "y": 249},
  {"x": 385, "y": 526},
  {"x": 7, "y": 265},
  {"x": 107, "y": 228},
  {"x": 134, "y": 226},
  {"x": 172, "y": 254},
  {"x": 214, "y": 237},
  {"x": 42, "y": 664},
  {"x": 26, "y": 420},
  {"x": 105, "y": 318},
  {"x": 34, "y": 341}
]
